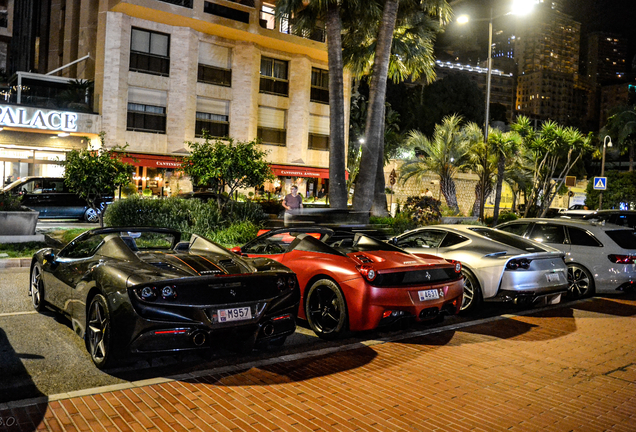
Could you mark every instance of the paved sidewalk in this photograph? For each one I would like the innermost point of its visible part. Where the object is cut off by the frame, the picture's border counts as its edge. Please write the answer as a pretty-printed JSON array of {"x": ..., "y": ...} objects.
[{"x": 571, "y": 368}]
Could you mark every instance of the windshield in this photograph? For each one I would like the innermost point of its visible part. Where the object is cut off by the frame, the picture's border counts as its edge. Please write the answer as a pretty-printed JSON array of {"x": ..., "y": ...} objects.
[
  {"x": 508, "y": 239},
  {"x": 13, "y": 185}
]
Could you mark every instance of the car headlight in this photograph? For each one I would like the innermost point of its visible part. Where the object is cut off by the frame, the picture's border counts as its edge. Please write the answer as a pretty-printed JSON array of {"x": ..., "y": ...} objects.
[{"x": 169, "y": 292}]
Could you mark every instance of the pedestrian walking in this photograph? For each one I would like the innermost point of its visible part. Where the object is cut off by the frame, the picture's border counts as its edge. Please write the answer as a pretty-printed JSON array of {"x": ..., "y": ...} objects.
[{"x": 292, "y": 203}]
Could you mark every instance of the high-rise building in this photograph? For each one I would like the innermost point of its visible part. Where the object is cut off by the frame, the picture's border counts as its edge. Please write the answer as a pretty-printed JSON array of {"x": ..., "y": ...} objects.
[
  {"x": 547, "y": 54},
  {"x": 165, "y": 70},
  {"x": 606, "y": 58}
]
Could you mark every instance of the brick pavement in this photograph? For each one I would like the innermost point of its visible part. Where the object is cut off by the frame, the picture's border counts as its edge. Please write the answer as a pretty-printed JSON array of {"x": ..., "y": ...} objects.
[{"x": 572, "y": 368}]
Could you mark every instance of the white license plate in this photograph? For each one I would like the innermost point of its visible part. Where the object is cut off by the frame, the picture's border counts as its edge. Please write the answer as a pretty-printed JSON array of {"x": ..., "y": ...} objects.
[
  {"x": 431, "y": 294},
  {"x": 234, "y": 314},
  {"x": 553, "y": 277}
]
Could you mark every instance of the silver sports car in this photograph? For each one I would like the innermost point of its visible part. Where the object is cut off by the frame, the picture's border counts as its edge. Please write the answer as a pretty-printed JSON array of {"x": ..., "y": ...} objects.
[
  {"x": 497, "y": 266},
  {"x": 601, "y": 257}
]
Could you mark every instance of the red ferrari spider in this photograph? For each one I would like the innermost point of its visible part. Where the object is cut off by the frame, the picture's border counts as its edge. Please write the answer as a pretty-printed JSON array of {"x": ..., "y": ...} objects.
[{"x": 354, "y": 282}]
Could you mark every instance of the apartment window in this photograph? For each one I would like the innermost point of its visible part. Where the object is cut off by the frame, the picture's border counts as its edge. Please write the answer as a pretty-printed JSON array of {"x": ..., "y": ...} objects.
[
  {"x": 149, "y": 52},
  {"x": 274, "y": 76},
  {"x": 226, "y": 12},
  {"x": 272, "y": 126},
  {"x": 319, "y": 85},
  {"x": 318, "y": 132},
  {"x": 212, "y": 116},
  {"x": 215, "y": 64},
  {"x": 146, "y": 110}
]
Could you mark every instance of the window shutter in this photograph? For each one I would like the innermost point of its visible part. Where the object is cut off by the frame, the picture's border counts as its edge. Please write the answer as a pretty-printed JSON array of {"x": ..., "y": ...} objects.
[
  {"x": 143, "y": 96},
  {"x": 214, "y": 55},
  {"x": 213, "y": 106},
  {"x": 318, "y": 125},
  {"x": 272, "y": 118}
]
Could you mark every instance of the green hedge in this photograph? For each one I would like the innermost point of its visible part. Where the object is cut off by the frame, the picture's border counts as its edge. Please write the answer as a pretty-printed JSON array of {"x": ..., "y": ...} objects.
[{"x": 238, "y": 224}]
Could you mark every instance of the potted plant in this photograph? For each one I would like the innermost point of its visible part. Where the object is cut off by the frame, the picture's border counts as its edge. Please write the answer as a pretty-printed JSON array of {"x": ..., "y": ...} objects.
[{"x": 16, "y": 219}]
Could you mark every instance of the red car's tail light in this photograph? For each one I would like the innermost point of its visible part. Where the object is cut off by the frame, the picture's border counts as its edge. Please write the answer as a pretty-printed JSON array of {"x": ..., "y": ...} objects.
[
  {"x": 521, "y": 263},
  {"x": 457, "y": 264},
  {"x": 367, "y": 271},
  {"x": 622, "y": 259}
]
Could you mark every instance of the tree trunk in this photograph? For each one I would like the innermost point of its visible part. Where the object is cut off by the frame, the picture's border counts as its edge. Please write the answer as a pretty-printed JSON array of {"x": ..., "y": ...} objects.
[
  {"x": 500, "y": 171},
  {"x": 379, "y": 196},
  {"x": 477, "y": 204},
  {"x": 337, "y": 182},
  {"x": 631, "y": 157},
  {"x": 374, "y": 132},
  {"x": 447, "y": 186}
]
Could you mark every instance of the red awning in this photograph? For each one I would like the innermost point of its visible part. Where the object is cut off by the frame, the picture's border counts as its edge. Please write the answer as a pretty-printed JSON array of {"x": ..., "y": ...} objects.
[
  {"x": 152, "y": 161},
  {"x": 299, "y": 171}
]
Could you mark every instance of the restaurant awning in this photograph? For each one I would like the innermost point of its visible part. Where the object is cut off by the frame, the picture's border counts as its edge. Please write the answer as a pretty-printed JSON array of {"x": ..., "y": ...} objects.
[
  {"x": 299, "y": 171},
  {"x": 152, "y": 161}
]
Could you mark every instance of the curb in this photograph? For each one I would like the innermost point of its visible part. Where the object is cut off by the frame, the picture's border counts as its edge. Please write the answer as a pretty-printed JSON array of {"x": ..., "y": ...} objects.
[{"x": 15, "y": 263}]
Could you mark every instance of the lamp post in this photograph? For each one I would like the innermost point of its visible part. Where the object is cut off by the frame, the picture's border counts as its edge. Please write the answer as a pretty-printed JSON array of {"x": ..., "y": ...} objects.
[
  {"x": 605, "y": 144},
  {"x": 519, "y": 7}
]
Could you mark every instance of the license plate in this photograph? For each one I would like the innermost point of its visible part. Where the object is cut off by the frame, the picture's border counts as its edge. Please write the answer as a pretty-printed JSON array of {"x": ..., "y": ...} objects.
[
  {"x": 553, "y": 277},
  {"x": 431, "y": 294},
  {"x": 234, "y": 314}
]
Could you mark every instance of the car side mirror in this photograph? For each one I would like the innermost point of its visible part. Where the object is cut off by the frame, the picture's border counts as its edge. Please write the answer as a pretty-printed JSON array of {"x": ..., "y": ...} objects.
[
  {"x": 237, "y": 250},
  {"x": 49, "y": 257},
  {"x": 394, "y": 241}
]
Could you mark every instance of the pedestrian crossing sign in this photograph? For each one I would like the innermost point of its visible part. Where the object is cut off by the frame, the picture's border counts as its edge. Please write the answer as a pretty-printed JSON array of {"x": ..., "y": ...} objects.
[{"x": 600, "y": 183}]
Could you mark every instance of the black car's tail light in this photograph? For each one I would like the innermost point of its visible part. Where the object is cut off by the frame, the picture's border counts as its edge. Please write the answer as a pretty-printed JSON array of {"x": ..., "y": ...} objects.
[
  {"x": 148, "y": 293},
  {"x": 622, "y": 259},
  {"x": 521, "y": 263},
  {"x": 169, "y": 292},
  {"x": 281, "y": 284}
]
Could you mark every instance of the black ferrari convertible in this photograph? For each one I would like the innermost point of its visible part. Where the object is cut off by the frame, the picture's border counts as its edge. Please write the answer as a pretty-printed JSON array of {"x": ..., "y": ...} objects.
[{"x": 142, "y": 291}]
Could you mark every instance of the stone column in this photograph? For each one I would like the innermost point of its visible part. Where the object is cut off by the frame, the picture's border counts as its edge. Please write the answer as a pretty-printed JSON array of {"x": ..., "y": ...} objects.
[
  {"x": 182, "y": 98},
  {"x": 298, "y": 113},
  {"x": 246, "y": 65}
]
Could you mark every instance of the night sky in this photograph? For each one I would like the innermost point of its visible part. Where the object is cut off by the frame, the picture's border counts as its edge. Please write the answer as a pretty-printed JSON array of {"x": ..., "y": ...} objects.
[{"x": 614, "y": 16}]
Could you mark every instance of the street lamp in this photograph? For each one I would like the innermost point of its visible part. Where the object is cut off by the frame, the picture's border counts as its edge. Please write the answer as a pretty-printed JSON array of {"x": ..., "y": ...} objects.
[
  {"x": 519, "y": 8},
  {"x": 605, "y": 144}
]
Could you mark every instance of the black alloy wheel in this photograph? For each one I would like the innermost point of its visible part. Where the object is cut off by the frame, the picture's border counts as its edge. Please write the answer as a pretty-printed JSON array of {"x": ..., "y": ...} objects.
[
  {"x": 98, "y": 332},
  {"x": 326, "y": 309},
  {"x": 36, "y": 289},
  {"x": 581, "y": 282},
  {"x": 472, "y": 292}
]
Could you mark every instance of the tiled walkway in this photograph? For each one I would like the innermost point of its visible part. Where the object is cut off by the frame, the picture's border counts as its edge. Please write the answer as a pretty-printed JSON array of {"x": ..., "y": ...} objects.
[{"x": 566, "y": 369}]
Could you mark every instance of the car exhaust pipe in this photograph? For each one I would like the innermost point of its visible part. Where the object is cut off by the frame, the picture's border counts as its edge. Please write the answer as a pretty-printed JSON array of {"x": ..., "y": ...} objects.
[
  {"x": 198, "y": 338},
  {"x": 268, "y": 329}
]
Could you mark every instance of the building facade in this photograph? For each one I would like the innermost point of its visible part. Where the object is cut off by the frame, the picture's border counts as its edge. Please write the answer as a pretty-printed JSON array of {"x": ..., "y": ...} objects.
[{"x": 164, "y": 71}]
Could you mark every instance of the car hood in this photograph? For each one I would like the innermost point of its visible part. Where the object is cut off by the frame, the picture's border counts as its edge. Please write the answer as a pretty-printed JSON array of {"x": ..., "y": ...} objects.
[{"x": 171, "y": 265}]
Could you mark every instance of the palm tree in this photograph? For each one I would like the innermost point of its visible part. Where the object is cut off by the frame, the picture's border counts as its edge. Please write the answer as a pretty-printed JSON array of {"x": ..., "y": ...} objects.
[
  {"x": 622, "y": 126},
  {"x": 306, "y": 15},
  {"x": 505, "y": 146},
  {"x": 396, "y": 46},
  {"x": 474, "y": 162},
  {"x": 442, "y": 154}
]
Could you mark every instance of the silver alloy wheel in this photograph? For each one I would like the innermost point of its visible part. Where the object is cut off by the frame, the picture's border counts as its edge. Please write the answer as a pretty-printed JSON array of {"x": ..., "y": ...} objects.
[
  {"x": 36, "y": 289},
  {"x": 472, "y": 293},
  {"x": 580, "y": 280},
  {"x": 98, "y": 331},
  {"x": 91, "y": 215}
]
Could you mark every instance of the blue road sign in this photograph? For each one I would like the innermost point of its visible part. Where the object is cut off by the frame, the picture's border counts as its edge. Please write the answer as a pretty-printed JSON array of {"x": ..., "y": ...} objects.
[{"x": 600, "y": 183}]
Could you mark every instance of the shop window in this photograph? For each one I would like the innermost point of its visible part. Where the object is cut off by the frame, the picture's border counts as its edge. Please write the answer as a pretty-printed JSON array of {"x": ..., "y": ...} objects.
[
  {"x": 149, "y": 52},
  {"x": 215, "y": 64},
  {"x": 319, "y": 85},
  {"x": 274, "y": 76}
]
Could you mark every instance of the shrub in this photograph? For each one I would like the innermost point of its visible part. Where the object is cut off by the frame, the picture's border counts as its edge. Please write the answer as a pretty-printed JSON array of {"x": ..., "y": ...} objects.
[
  {"x": 244, "y": 211},
  {"x": 423, "y": 211},
  {"x": 397, "y": 225},
  {"x": 236, "y": 234},
  {"x": 10, "y": 202},
  {"x": 503, "y": 217}
]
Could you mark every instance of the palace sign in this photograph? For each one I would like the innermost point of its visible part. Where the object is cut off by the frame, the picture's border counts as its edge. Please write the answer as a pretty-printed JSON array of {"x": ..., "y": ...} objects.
[{"x": 34, "y": 118}]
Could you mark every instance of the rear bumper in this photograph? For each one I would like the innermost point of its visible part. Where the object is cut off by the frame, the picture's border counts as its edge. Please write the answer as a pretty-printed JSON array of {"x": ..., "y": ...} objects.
[{"x": 550, "y": 295}]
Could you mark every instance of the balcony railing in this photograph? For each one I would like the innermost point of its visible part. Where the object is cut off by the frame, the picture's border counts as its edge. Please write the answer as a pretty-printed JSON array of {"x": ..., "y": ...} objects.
[{"x": 184, "y": 3}]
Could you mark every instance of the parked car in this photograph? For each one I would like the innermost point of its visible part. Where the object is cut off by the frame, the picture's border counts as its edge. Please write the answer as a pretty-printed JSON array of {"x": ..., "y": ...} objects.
[
  {"x": 600, "y": 258},
  {"x": 356, "y": 282},
  {"x": 497, "y": 266},
  {"x": 617, "y": 217},
  {"x": 575, "y": 211},
  {"x": 142, "y": 291},
  {"x": 51, "y": 197}
]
